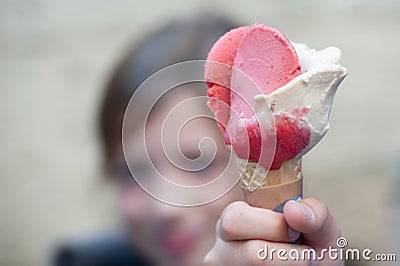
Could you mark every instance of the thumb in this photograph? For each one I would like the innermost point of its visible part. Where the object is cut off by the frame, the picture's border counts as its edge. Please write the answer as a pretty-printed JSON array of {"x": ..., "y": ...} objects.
[{"x": 312, "y": 218}]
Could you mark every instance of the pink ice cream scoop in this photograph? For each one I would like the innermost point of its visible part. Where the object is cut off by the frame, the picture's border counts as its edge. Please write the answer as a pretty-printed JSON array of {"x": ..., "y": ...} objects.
[{"x": 268, "y": 58}]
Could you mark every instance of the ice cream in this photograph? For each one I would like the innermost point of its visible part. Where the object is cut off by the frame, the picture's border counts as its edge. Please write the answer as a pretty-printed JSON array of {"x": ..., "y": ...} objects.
[{"x": 297, "y": 84}]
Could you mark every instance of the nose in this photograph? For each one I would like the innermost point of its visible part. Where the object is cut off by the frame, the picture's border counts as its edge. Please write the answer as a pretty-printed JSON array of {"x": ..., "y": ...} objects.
[{"x": 167, "y": 213}]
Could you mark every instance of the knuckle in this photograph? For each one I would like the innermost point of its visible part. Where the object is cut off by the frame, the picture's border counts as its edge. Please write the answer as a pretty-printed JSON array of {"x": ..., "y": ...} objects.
[
  {"x": 250, "y": 251},
  {"x": 237, "y": 204},
  {"x": 229, "y": 223},
  {"x": 230, "y": 219},
  {"x": 209, "y": 260}
]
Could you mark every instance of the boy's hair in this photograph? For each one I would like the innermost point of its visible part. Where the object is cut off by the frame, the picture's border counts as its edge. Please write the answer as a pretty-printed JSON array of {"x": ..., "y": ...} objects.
[{"x": 176, "y": 42}]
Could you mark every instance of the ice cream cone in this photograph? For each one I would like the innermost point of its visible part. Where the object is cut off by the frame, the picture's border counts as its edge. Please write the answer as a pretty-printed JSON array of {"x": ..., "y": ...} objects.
[
  {"x": 271, "y": 189},
  {"x": 286, "y": 115}
]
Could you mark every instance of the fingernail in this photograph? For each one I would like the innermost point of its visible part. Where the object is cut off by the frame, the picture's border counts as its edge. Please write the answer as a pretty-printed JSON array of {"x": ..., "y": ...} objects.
[
  {"x": 306, "y": 211},
  {"x": 293, "y": 234},
  {"x": 314, "y": 262}
]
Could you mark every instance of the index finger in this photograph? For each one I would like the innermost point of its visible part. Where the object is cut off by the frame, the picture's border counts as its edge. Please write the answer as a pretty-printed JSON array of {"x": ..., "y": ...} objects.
[{"x": 239, "y": 221}]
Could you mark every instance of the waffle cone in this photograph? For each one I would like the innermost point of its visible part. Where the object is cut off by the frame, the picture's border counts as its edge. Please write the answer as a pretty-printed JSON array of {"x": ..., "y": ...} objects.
[{"x": 271, "y": 189}]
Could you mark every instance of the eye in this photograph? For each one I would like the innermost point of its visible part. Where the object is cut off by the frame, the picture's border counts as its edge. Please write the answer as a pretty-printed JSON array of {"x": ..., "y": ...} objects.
[
  {"x": 205, "y": 168},
  {"x": 192, "y": 154},
  {"x": 205, "y": 165}
]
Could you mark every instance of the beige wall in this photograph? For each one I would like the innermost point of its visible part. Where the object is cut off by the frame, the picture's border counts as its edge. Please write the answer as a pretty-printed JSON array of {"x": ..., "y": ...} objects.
[{"x": 55, "y": 56}]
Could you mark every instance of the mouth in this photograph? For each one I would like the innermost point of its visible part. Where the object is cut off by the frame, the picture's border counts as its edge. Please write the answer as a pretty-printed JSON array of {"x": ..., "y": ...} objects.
[{"x": 178, "y": 243}]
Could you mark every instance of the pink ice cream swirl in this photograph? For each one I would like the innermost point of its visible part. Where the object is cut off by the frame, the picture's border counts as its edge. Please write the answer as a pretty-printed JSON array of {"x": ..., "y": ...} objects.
[{"x": 268, "y": 58}]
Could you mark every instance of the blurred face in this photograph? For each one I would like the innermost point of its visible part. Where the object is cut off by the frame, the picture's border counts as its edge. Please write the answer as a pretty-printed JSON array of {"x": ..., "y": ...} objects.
[{"x": 171, "y": 235}]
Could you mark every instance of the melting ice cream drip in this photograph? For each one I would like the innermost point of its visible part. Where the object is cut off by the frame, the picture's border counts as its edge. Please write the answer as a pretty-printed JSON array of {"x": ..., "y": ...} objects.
[{"x": 313, "y": 92}]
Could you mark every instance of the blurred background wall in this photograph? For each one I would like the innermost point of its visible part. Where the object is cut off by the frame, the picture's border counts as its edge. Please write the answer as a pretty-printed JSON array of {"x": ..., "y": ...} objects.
[{"x": 55, "y": 57}]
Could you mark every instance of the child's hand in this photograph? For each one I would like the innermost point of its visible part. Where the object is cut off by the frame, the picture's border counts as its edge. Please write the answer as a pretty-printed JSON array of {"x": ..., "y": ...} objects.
[{"x": 242, "y": 231}]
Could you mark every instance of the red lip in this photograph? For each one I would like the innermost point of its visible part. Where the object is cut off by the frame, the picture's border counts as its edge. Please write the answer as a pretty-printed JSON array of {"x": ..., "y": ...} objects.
[{"x": 178, "y": 243}]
